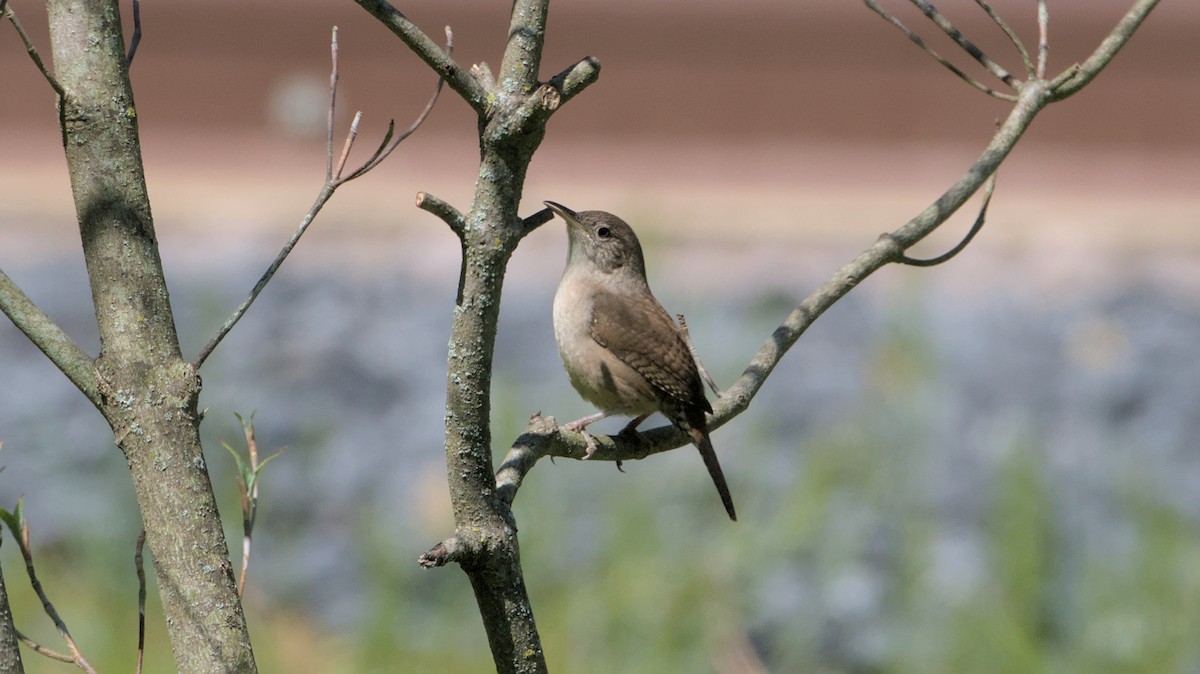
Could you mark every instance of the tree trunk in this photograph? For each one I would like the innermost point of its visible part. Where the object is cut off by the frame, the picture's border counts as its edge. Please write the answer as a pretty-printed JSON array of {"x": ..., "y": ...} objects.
[{"x": 146, "y": 391}]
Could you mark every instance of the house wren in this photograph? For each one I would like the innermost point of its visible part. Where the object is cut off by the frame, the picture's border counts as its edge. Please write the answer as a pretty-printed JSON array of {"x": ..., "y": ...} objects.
[{"x": 621, "y": 350}]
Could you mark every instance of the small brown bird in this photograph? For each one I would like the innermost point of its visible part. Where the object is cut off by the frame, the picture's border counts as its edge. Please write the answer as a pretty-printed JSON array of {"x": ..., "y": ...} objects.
[{"x": 621, "y": 350}]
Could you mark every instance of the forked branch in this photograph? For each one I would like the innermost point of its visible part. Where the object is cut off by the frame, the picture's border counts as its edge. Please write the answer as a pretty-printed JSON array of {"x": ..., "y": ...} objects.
[{"x": 334, "y": 179}]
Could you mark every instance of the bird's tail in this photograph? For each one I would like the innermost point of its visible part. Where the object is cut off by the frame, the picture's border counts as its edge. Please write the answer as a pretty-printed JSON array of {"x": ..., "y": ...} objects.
[{"x": 700, "y": 439}]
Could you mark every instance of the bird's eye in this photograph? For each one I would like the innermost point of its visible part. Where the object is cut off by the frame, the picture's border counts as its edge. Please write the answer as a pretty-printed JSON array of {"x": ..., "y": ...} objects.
[{"x": 603, "y": 232}]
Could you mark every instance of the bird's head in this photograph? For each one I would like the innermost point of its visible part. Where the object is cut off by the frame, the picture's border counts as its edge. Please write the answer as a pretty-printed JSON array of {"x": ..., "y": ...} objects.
[{"x": 601, "y": 240}]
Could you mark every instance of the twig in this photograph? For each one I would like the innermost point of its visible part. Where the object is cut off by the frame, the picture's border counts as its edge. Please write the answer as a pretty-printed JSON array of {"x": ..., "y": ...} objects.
[
  {"x": 577, "y": 77},
  {"x": 916, "y": 39},
  {"x": 427, "y": 50},
  {"x": 1077, "y": 77},
  {"x": 42, "y": 650},
  {"x": 687, "y": 339},
  {"x": 1043, "y": 15},
  {"x": 976, "y": 53},
  {"x": 20, "y": 529},
  {"x": 448, "y": 213},
  {"x": 333, "y": 180},
  {"x": 137, "y": 33},
  {"x": 1012, "y": 36},
  {"x": 988, "y": 188},
  {"x": 333, "y": 82},
  {"x": 449, "y": 550},
  {"x": 32, "y": 51},
  {"x": 141, "y": 576},
  {"x": 46, "y": 335},
  {"x": 385, "y": 148},
  {"x": 537, "y": 220}
]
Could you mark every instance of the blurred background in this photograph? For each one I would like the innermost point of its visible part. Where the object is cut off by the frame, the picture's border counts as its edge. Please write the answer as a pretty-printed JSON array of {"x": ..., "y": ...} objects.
[{"x": 991, "y": 465}]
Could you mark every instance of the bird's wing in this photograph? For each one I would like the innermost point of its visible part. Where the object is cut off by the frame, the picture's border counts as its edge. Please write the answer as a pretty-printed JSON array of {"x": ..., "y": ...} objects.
[{"x": 643, "y": 336}]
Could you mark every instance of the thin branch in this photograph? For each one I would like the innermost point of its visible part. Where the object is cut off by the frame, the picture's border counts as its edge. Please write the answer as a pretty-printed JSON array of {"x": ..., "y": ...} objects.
[
  {"x": 333, "y": 180},
  {"x": 31, "y": 50},
  {"x": 329, "y": 121},
  {"x": 322, "y": 198},
  {"x": 1075, "y": 78},
  {"x": 26, "y": 552},
  {"x": 42, "y": 650},
  {"x": 141, "y": 576},
  {"x": 687, "y": 339},
  {"x": 50, "y": 338},
  {"x": 137, "y": 33},
  {"x": 1043, "y": 15},
  {"x": 537, "y": 220},
  {"x": 988, "y": 188},
  {"x": 916, "y": 39},
  {"x": 574, "y": 79},
  {"x": 1012, "y": 36},
  {"x": 459, "y": 79},
  {"x": 385, "y": 148},
  {"x": 448, "y": 214},
  {"x": 955, "y": 34},
  {"x": 450, "y": 550}
]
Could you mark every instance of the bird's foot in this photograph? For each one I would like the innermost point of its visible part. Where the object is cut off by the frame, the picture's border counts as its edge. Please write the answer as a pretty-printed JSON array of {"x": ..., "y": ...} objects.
[
  {"x": 591, "y": 444},
  {"x": 578, "y": 426}
]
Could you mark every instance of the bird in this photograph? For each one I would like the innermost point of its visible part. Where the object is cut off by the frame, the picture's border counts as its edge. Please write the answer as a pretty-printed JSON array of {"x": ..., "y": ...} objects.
[{"x": 622, "y": 351}]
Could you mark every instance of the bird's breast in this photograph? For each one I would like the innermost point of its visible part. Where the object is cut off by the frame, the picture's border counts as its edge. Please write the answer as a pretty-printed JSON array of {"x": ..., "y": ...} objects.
[{"x": 599, "y": 376}]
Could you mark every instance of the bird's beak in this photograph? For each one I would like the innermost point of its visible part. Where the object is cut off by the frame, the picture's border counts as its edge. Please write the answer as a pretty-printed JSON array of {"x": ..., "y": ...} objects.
[{"x": 566, "y": 214}]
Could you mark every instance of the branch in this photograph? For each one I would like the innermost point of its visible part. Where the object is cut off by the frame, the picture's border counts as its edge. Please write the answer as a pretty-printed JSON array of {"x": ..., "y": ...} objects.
[
  {"x": 916, "y": 39},
  {"x": 47, "y": 336},
  {"x": 141, "y": 576},
  {"x": 29, "y": 48},
  {"x": 459, "y": 79},
  {"x": 537, "y": 220},
  {"x": 449, "y": 214},
  {"x": 333, "y": 180},
  {"x": 948, "y": 28},
  {"x": 1073, "y": 79},
  {"x": 518, "y": 74},
  {"x": 579, "y": 76},
  {"x": 20, "y": 530},
  {"x": 947, "y": 256},
  {"x": 1043, "y": 15},
  {"x": 1012, "y": 37},
  {"x": 137, "y": 33}
]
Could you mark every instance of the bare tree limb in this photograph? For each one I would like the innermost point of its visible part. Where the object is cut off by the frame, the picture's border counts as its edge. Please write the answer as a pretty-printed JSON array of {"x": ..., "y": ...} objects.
[
  {"x": 137, "y": 33},
  {"x": 917, "y": 40},
  {"x": 42, "y": 650},
  {"x": 459, "y": 79},
  {"x": 1012, "y": 36},
  {"x": 518, "y": 74},
  {"x": 139, "y": 545},
  {"x": 537, "y": 220},
  {"x": 448, "y": 213},
  {"x": 1043, "y": 16},
  {"x": 333, "y": 180},
  {"x": 577, "y": 77},
  {"x": 19, "y": 527},
  {"x": 29, "y": 48},
  {"x": 49, "y": 337},
  {"x": 988, "y": 188},
  {"x": 1076, "y": 78},
  {"x": 976, "y": 53},
  {"x": 10, "y": 645}
]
